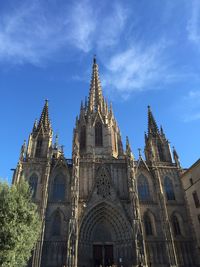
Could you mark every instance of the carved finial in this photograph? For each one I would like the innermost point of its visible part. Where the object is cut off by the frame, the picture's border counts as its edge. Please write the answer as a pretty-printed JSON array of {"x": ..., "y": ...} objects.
[
  {"x": 56, "y": 142},
  {"x": 94, "y": 59},
  {"x": 23, "y": 151},
  {"x": 139, "y": 150}
]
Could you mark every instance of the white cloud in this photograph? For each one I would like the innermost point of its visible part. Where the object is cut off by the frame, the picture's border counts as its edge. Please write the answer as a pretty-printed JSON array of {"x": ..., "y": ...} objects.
[
  {"x": 82, "y": 26},
  {"x": 135, "y": 69},
  {"x": 190, "y": 106},
  {"x": 193, "y": 26},
  {"x": 112, "y": 26},
  {"x": 31, "y": 33}
]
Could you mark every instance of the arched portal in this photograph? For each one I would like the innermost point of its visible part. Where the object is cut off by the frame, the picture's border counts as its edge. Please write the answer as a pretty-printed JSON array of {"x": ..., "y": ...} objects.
[{"x": 105, "y": 237}]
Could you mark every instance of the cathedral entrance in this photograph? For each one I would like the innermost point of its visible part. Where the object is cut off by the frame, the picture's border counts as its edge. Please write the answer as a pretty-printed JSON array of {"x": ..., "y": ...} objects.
[
  {"x": 105, "y": 237},
  {"x": 102, "y": 255}
]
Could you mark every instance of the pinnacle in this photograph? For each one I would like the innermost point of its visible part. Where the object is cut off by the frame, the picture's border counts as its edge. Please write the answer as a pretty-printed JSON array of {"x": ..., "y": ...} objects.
[
  {"x": 95, "y": 97},
  {"x": 152, "y": 126},
  {"x": 44, "y": 118}
]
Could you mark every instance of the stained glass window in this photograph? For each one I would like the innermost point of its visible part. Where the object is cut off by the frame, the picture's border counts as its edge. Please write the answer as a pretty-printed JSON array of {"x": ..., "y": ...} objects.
[
  {"x": 143, "y": 188},
  {"x": 59, "y": 188},
  {"x": 169, "y": 190}
]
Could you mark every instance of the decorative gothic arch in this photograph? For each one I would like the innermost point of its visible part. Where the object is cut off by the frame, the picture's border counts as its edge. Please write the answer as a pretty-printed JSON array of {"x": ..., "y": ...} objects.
[
  {"x": 105, "y": 224},
  {"x": 103, "y": 183},
  {"x": 149, "y": 223}
]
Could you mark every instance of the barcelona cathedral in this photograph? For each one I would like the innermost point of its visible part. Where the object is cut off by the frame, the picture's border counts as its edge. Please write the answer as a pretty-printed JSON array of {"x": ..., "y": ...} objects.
[{"x": 103, "y": 207}]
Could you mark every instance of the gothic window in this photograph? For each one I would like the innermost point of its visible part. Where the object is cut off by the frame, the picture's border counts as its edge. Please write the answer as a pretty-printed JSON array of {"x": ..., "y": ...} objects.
[
  {"x": 143, "y": 188},
  {"x": 196, "y": 199},
  {"x": 176, "y": 225},
  {"x": 56, "y": 225},
  {"x": 83, "y": 137},
  {"x": 38, "y": 148},
  {"x": 103, "y": 185},
  {"x": 148, "y": 225},
  {"x": 59, "y": 188},
  {"x": 169, "y": 190},
  {"x": 33, "y": 184},
  {"x": 98, "y": 134}
]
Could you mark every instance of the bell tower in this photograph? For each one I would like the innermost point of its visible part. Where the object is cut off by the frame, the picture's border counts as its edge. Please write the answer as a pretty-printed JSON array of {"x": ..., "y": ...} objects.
[
  {"x": 40, "y": 140},
  {"x": 157, "y": 147}
]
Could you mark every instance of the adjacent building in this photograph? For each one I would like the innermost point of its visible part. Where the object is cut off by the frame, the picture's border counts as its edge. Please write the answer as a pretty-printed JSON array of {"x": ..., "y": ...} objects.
[
  {"x": 103, "y": 206},
  {"x": 191, "y": 184}
]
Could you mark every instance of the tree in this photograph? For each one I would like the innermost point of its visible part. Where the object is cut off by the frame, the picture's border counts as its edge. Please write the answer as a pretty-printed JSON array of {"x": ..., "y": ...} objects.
[{"x": 19, "y": 224}]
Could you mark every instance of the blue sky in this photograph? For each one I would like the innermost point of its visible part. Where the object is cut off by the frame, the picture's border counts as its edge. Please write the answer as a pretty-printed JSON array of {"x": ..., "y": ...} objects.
[{"x": 148, "y": 54}]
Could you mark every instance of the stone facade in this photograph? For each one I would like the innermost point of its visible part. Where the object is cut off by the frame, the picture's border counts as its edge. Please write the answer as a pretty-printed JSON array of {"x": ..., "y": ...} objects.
[
  {"x": 103, "y": 207},
  {"x": 191, "y": 184}
]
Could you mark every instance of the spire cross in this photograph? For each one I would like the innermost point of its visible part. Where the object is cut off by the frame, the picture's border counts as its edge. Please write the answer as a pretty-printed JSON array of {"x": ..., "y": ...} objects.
[{"x": 139, "y": 150}]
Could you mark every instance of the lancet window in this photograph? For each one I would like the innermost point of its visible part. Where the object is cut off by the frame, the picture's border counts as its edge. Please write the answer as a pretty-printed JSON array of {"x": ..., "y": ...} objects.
[
  {"x": 56, "y": 225},
  {"x": 143, "y": 188},
  {"x": 59, "y": 188},
  {"x": 98, "y": 134},
  {"x": 148, "y": 225},
  {"x": 169, "y": 190}
]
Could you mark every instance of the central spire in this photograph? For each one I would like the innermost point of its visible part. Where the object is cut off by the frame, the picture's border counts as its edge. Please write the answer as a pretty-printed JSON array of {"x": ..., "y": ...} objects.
[
  {"x": 95, "y": 97},
  {"x": 152, "y": 126}
]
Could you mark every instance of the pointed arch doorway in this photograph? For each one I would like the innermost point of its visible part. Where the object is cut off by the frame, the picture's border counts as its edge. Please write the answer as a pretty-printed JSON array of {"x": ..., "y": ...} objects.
[
  {"x": 105, "y": 236},
  {"x": 102, "y": 244}
]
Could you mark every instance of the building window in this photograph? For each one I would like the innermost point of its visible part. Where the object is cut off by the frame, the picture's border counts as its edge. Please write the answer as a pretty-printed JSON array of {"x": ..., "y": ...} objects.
[
  {"x": 59, "y": 188},
  {"x": 176, "y": 226},
  {"x": 56, "y": 226},
  {"x": 148, "y": 225},
  {"x": 196, "y": 199},
  {"x": 33, "y": 181},
  {"x": 83, "y": 138},
  {"x": 143, "y": 188},
  {"x": 191, "y": 181},
  {"x": 169, "y": 190},
  {"x": 38, "y": 148},
  {"x": 98, "y": 134}
]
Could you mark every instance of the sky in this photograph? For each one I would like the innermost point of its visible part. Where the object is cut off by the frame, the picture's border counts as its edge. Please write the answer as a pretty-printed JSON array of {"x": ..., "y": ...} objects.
[{"x": 148, "y": 53}]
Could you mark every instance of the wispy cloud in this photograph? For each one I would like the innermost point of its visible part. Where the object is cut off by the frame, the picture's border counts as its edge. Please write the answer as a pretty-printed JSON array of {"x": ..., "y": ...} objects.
[
  {"x": 193, "y": 26},
  {"x": 136, "y": 69},
  {"x": 190, "y": 105},
  {"x": 30, "y": 33}
]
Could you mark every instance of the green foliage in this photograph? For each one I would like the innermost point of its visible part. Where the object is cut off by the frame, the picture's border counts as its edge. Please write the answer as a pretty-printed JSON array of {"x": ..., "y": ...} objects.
[{"x": 19, "y": 224}]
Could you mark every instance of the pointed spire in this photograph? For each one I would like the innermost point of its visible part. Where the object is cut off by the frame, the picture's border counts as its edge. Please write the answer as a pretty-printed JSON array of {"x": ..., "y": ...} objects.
[
  {"x": 44, "y": 118},
  {"x": 95, "y": 97},
  {"x": 176, "y": 158},
  {"x": 128, "y": 148},
  {"x": 152, "y": 126}
]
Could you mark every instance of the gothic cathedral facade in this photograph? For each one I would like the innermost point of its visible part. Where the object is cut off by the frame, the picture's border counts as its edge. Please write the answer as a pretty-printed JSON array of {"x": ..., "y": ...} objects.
[{"x": 103, "y": 207}]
